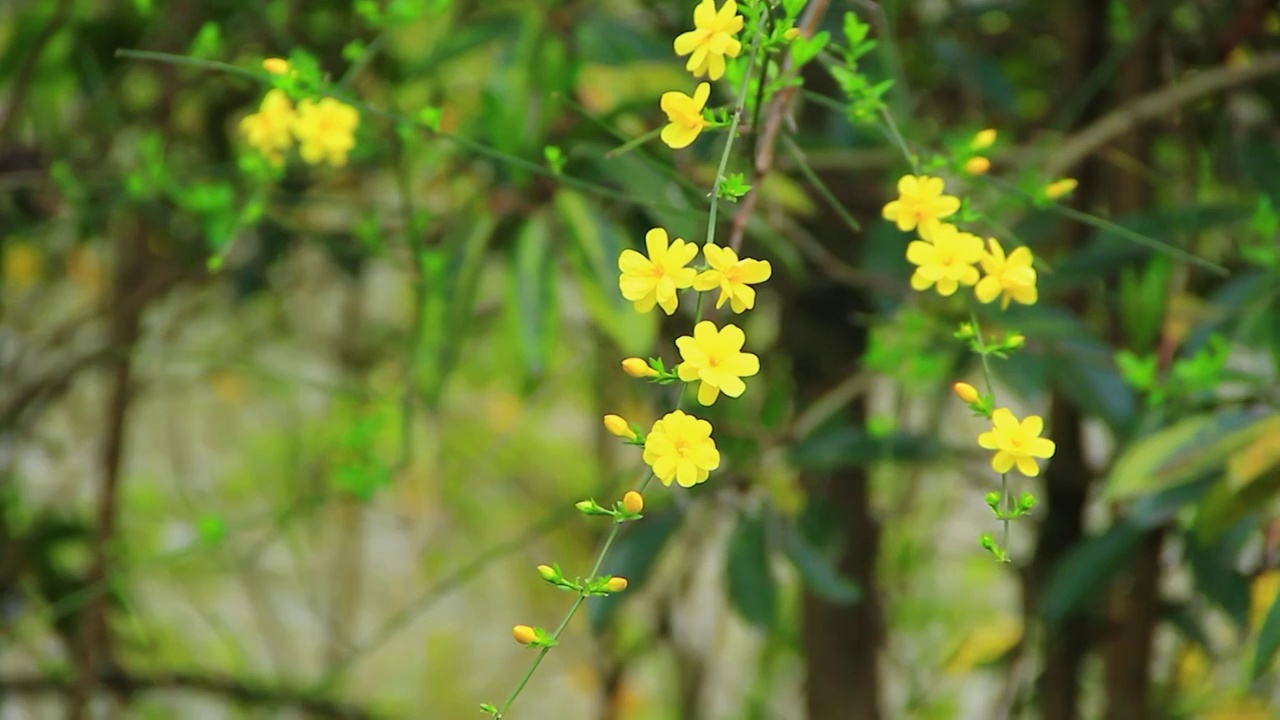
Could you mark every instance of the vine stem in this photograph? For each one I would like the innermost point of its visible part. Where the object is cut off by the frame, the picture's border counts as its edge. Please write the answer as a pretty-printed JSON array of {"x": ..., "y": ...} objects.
[{"x": 1004, "y": 477}]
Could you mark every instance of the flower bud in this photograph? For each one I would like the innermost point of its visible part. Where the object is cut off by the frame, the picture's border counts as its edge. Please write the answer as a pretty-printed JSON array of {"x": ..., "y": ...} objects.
[
  {"x": 547, "y": 572},
  {"x": 966, "y": 392},
  {"x": 791, "y": 34},
  {"x": 524, "y": 634},
  {"x": 1016, "y": 340},
  {"x": 276, "y": 66},
  {"x": 1057, "y": 189},
  {"x": 633, "y": 502},
  {"x": 977, "y": 165},
  {"x": 616, "y": 584},
  {"x": 983, "y": 140},
  {"x": 638, "y": 368},
  {"x": 616, "y": 425}
]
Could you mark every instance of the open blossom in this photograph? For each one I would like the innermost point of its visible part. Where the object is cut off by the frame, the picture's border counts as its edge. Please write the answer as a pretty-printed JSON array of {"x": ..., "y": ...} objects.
[
  {"x": 733, "y": 275},
  {"x": 679, "y": 448},
  {"x": 947, "y": 260},
  {"x": 647, "y": 281},
  {"x": 326, "y": 131},
  {"x": 1009, "y": 278},
  {"x": 714, "y": 358},
  {"x": 270, "y": 130},
  {"x": 920, "y": 203},
  {"x": 684, "y": 116},
  {"x": 1016, "y": 443},
  {"x": 712, "y": 39}
]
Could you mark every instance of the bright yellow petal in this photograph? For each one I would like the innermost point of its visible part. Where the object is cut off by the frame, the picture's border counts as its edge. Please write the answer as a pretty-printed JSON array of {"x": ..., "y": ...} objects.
[
  {"x": 704, "y": 333},
  {"x": 707, "y": 280},
  {"x": 668, "y": 304},
  {"x": 687, "y": 372},
  {"x": 686, "y": 42},
  {"x": 987, "y": 440},
  {"x": 1003, "y": 419},
  {"x": 680, "y": 253},
  {"x": 655, "y": 241},
  {"x": 1002, "y": 462},
  {"x": 908, "y": 185},
  {"x": 715, "y": 256},
  {"x": 707, "y": 393},
  {"x": 754, "y": 271},
  {"x": 947, "y": 286},
  {"x": 744, "y": 298},
  {"x": 987, "y": 289},
  {"x": 634, "y": 288},
  {"x": 665, "y": 468},
  {"x": 715, "y": 66},
  {"x": 633, "y": 263},
  {"x": 891, "y": 210},
  {"x": 744, "y": 364},
  {"x": 646, "y": 303},
  {"x": 704, "y": 15},
  {"x": 921, "y": 253},
  {"x": 1020, "y": 257},
  {"x": 920, "y": 282},
  {"x": 1042, "y": 448},
  {"x": 733, "y": 387},
  {"x": 1033, "y": 425},
  {"x": 1027, "y": 466},
  {"x": 702, "y": 93},
  {"x": 677, "y": 137},
  {"x": 732, "y": 338},
  {"x": 946, "y": 205}
]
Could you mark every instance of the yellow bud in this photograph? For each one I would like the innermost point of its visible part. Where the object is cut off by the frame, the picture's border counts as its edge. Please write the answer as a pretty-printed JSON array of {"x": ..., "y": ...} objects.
[
  {"x": 633, "y": 502},
  {"x": 983, "y": 140},
  {"x": 547, "y": 572},
  {"x": 791, "y": 34},
  {"x": 616, "y": 425},
  {"x": 1057, "y": 189},
  {"x": 1016, "y": 340},
  {"x": 966, "y": 392},
  {"x": 977, "y": 165},
  {"x": 637, "y": 368},
  {"x": 616, "y": 584},
  {"x": 276, "y": 66},
  {"x": 524, "y": 634}
]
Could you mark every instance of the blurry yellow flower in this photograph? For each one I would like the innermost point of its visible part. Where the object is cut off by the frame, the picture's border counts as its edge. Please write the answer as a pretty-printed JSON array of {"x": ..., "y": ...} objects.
[
  {"x": 947, "y": 260},
  {"x": 1058, "y": 188},
  {"x": 276, "y": 66},
  {"x": 618, "y": 426},
  {"x": 715, "y": 358},
  {"x": 270, "y": 130},
  {"x": 22, "y": 264},
  {"x": 684, "y": 116},
  {"x": 326, "y": 131},
  {"x": 1245, "y": 708},
  {"x": 637, "y": 367},
  {"x": 1016, "y": 443},
  {"x": 1009, "y": 278},
  {"x": 712, "y": 40},
  {"x": 524, "y": 634},
  {"x": 647, "y": 281},
  {"x": 791, "y": 34},
  {"x": 733, "y": 276},
  {"x": 983, "y": 139},
  {"x": 988, "y": 643},
  {"x": 616, "y": 584},
  {"x": 680, "y": 448},
  {"x": 966, "y": 392},
  {"x": 633, "y": 502},
  {"x": 920, "y": 203},
  {"x": 977, "y": 165},
  {"x": 1262, "y": 595}
]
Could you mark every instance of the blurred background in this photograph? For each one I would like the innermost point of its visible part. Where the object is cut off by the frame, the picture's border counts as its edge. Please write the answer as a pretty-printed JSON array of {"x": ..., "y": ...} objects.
[{"x": 291, "y": 446}]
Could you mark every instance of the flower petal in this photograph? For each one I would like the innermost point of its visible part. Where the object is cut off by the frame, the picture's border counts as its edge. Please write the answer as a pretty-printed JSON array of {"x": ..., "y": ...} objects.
[
  {"x": 987, "y": 289},
  {"x": 679, "y": 136},
  {"x": 1002, "y": 462},
  {"x": 707, "y": 393},
  {"x": 686, "y": 42},
  {"x": 1003, "y": 419},
  {"x": 1027, "y": 466},
  {"x": 1042, "y": 448}
]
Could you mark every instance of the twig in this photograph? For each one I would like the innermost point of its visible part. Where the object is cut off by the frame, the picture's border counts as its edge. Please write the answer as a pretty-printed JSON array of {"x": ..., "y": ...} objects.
[
  {"x": 1155, "y": 105},
  {"x": 231, "y": 688}
]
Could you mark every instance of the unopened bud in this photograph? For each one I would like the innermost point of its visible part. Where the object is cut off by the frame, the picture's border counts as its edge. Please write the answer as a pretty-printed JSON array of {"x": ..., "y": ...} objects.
[
  {"x": 633, "y": 502},
  {"x": 977, "y": 165},
  {"x": 524, "y": 634},
  {"x": 791, "y": 34},
  {"x": 638, "y": 368},
  {"x": 983, "y": 140},
  {"x": 276, "y": 66},
  {"x": 547, "y": 572},
  {"x": 616, "y": 584},
  {"x": 966, "y": 392},
  {"x": 1057, "y": 189},
  {"x": 618, "y": 426},
  {"x": 1016, "y": 340}
]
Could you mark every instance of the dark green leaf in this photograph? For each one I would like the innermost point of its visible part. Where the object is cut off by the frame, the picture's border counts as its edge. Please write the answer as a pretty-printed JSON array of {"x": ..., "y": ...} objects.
[
  {"x": 1082, "y": 576},
  {"x": 632, "y": 557},
  {"x": 836, "y": 445},
  {"x": 818, "y": 572},
  {"x": 1268, "y": 640},
  {"x": 753, "y": 592},
  {"x": 1213, "y": 565},
  {"x": 531, "y": 295}
]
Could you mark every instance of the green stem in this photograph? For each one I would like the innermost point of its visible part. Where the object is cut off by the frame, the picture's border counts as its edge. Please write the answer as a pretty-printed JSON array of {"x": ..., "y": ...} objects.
[{"x": 1005, "y": 502}]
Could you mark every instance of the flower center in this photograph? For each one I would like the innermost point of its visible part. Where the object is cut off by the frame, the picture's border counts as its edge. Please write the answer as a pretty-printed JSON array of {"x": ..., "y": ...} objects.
[
  {"x": 658, "y": 271},
  {"x": 682, "y": 447},
  {"x": 713, "y": 361}
]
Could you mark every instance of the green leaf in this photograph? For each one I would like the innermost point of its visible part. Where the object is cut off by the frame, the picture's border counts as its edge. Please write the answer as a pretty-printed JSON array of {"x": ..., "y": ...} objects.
[
  {"x": 531, "y": 295},
  {"x": 1265, "y": 221},
  {"x": 1268, "y": 640},
  {"x": 1213, "y": 566},
  {"x": 753, "y": 592},
  {"x": 632, "y": 557},
  {"x": 1083, "y": 574},
  {"x": 818, "y": 571}
]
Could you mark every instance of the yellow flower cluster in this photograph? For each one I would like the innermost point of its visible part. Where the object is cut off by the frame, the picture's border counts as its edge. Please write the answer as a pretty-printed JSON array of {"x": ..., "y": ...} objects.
[
  {"x": 947, "y": 257},
  {"x": 325, "y": 129},
  {"x": 679, "y": 447},
  {"x": 707, "y": 45}
]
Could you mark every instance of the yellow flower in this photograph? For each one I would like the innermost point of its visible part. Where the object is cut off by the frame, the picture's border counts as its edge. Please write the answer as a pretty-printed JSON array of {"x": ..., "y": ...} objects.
[
  {"x": 1009, "y": 278},
  {"x": 1262, "y": 596},
  {"x": 326, "y": 131},
  {"x": 684, "y": 116},
  {"x": 712, "y": 40},
  {"x": 547, "y": 572},
  {"x": 983, "y": 139},
  {"x": 680, "y": 448},
  {"x": 616, "y": 584},
  {"x": 977, "y": 165},
  {"x": 1058, "y": 188},
  {"x": 715, "y": 358},
  {"x": 638, "y": 368},
  {"x": 618, "y": 426},
  {"x": 524, "y": 634},
  {"x": 733, "y": 276},
  {"x": 276, "y": 66},
  {"x": 1016, "y": 443},
  {"x": 920, "y": 203},
  {"x": 270, "y": 130},
  {"x": 633, "y": 502},
  {"x": 791, "y": 34},
  {"x": 966, "y": 392},
  {"x": 947, "y": 260},
  {"x": 647, "y": 281}
]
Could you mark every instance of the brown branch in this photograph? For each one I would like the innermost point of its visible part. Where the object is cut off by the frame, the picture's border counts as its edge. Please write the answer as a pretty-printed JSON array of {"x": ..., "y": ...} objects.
[
  {"x": 768, "y": 136},
  {"x": 1155, "y": 105},
  {"x": 230, "y": 688}
]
